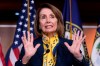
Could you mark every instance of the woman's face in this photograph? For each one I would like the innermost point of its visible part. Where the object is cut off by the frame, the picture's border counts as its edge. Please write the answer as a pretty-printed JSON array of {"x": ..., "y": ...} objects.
[{"x": 48, "y": 21}]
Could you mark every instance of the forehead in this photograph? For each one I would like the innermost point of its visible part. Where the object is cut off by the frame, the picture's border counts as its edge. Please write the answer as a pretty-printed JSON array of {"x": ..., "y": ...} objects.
[{"x": 46, "y": 11}]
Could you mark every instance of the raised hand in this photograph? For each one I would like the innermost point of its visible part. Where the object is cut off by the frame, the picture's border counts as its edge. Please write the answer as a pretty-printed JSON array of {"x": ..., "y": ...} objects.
[
  {"x": 75, "y": 47},
  {"x": 30, "y": 50}
]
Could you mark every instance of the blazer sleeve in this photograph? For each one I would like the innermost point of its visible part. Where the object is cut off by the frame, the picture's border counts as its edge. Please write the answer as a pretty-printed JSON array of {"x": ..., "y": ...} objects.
[
  {"x": 66, "y": 52},
  {"x": 84, "y": 62},
  {"x": 19, "y": 62},
  {"x": 76, "y": 62},
  {"x": 31, "y": 62}
]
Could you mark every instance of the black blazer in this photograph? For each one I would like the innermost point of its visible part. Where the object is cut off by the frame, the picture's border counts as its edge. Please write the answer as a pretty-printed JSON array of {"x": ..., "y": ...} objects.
[{"x": 64, "y": 57}]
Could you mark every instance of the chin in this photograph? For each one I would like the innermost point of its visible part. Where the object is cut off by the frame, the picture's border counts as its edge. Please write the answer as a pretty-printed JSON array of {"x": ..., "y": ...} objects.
[{"x": 50, "y": 32}]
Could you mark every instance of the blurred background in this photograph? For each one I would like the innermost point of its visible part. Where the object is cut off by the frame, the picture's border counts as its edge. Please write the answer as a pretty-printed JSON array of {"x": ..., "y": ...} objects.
[
  {"x": 89, "y": 10},
  {"x": 9, "y": 9}
]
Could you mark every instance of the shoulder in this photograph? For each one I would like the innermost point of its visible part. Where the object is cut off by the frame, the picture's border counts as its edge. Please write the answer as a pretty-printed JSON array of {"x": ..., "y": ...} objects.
[
  {"x": 38, "y": 40},
  {"x": 61, "y": 45},
  {"x": 62, "y": 40}
]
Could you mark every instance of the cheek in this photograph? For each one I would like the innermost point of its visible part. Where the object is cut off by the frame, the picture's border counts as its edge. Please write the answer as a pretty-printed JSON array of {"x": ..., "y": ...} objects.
[
  {"x": 56, "y": 24},
  {"x": 41, "y": 24}
]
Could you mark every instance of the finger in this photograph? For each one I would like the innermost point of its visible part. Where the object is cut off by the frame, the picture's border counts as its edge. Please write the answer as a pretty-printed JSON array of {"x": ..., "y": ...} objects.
[
  {"x": 37, "y": 46},
  {"x": 73, "y": 37},
  {"x": 74, "y": 44},
  {"x": 24, "y": 35},
  {"x": 77, "y": 35},
  {"x": 74, "y": 40},
  {"x": 28, "y": 35},
  {"x": 23, "y": 40},
  {"x": 67, "y": 45},
  {"x": 32, "y": 38},
  {"x": 81, "y": 35},
  {"x": 80, "y": 43},
  {"x": 83, "y": 38}
]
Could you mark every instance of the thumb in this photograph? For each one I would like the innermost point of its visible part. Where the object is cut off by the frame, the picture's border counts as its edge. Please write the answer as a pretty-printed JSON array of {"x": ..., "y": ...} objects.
[
  {"x": 67, "y": 45},
  {"x": 37, "y": 46}
]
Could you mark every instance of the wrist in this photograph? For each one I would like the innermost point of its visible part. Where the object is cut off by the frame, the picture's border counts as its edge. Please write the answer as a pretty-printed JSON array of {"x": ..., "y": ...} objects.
[
  {"x": 80, "y": 58},
  {"x": 25, "y": 59}
]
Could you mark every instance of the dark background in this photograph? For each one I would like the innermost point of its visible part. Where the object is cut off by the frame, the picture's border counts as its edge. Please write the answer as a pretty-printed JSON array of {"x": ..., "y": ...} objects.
[{"x": 89, "y": 10}]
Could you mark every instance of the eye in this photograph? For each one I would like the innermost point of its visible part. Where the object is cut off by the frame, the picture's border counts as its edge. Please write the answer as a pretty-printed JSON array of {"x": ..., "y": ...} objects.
[
  {"x": 52, "y": 16},
  {"x": 42, "y": 17}
]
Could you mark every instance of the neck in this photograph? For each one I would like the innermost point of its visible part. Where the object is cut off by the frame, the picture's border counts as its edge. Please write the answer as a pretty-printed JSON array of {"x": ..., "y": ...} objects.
[{"x": 49, "y": 34}]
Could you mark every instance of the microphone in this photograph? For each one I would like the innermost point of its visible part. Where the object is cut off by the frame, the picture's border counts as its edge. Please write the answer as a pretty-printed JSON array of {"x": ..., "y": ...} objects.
[{"x": 47, "y": 51}]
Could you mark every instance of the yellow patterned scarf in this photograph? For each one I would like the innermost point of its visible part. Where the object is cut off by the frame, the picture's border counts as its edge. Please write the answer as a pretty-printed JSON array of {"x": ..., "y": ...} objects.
[{"x": 49, "y": 43}]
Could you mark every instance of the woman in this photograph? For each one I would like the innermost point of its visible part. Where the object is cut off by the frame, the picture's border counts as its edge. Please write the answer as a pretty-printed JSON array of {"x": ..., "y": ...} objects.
[{"x": 50, "y": 48}]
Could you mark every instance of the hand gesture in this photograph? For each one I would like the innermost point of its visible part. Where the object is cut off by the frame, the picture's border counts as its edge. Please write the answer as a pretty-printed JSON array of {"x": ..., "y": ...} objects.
[
  {"x": 30, "y": 50},
  {"x": 75, "y": 47}
]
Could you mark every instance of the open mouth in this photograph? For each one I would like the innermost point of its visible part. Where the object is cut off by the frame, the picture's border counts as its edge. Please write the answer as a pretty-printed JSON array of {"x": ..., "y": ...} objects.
[{"x": 48, "y": 26}]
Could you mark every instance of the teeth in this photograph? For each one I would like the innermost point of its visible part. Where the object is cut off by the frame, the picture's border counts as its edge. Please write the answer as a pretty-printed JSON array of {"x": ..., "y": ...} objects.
[{"x": 48, "y": 26}]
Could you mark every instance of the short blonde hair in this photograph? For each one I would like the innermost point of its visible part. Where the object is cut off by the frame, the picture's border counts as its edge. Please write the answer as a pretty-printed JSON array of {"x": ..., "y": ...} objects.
[{"x": 57, "y": 13}]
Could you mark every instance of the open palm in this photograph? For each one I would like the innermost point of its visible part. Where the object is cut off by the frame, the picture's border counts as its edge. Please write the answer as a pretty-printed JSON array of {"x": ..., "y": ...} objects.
[
  {"x": 30, "y": 50},
  {"x": 75, "y": 47}
]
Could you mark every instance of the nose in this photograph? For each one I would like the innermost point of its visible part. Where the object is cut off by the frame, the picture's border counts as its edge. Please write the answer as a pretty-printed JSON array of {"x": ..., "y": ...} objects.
[{"x": 48, "y": 20}]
